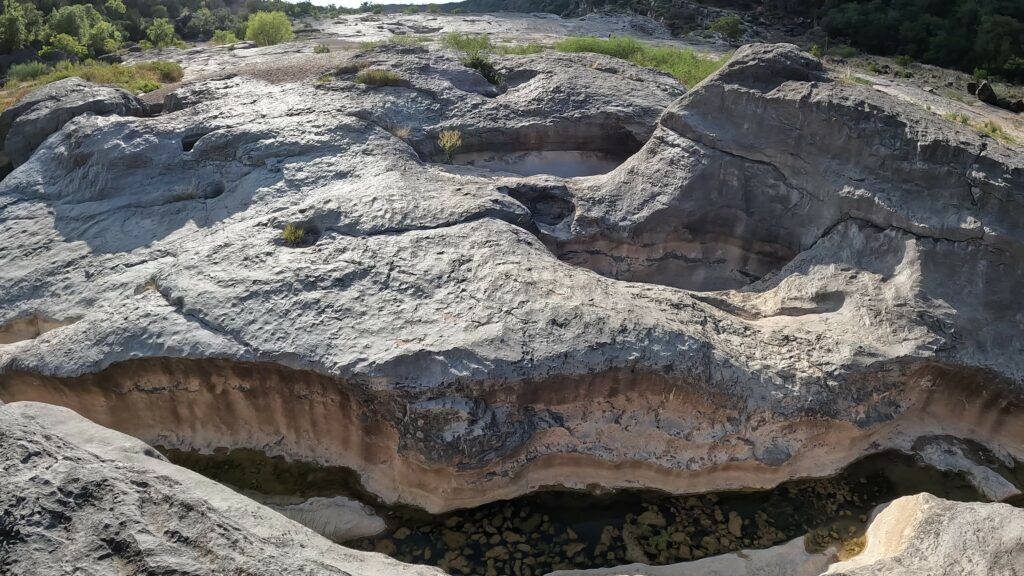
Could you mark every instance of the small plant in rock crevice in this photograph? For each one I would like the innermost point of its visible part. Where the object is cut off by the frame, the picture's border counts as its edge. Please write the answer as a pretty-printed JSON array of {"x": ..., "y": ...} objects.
[
  {"x": 379, "y": 77},
  {"x": 449, "y": 141},
  {"x": 483, "y": 65},
  {"x": 321, "y": 49},
  {"x": 293, "y": 234}
]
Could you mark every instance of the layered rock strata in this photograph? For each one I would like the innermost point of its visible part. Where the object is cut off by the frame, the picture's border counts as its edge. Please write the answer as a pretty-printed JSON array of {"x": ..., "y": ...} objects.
[{"x": 790, "y": 273}]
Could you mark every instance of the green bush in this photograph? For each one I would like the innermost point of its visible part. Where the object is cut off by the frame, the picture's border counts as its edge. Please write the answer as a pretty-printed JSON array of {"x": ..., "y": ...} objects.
[
  {"x": 433, "y": 9},
  {"x": 469, "y": 43},
  {"x": 104, "y": 38},
  {"x": 27, "y": 71},
  {"x": 378, "y": 77},
  {"x": 409, "y": 10},
  {"x": 142, "y": 86},
  {"x": 223, "y": 37},
  {"x": 449, "y": 141},
  {"x": 293, "y": 235},
  {"x": 67, "y": 44},
  {"x": 816, "y": 51},
  {"x": 904, "y": 61},
  {"x": 161, "y": 33},
  {"x": 685, "y": 65},
  {"x": 268, "y": 28},
  {"x": 730, "y": 27},
  {"x": 321, "y": 49},
  {"x": 481, "y": 64}
]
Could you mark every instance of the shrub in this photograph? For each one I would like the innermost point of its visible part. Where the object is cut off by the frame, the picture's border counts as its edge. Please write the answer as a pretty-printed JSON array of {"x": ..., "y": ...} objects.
[
  {"x": 468, "y": 43},
  {"x": 842, "y": 51},
  {"x": 685, "y": 65},
  {"x": 268, "y": 28},
  {"x": 67, "y": 44},
  {"x": 816, "y": 51},
  {"x": 378, "y": 10},
  {"x": 433, "y": 9},
  {"x": 481, "y": 64},
  {"x": 163, "y": 70},
  {"x": 379, "y": 77},
  {"x": 142, "y": 86},
  {"x": 104, "y": 38},
  {"x": 409, "y": 10},
  {"x": 904, "y": 61},
  {"x": 449, "y": 141},
  {"x": 222, "y": 37},
  {"x": 521, "y": 49},
  {"x": 27, "y": 71},
  {"x": 161, "y": 33},
  {"x": 730, "y": 27},
  {"x": 293, "y": 235},
  {"x": 456, "y": 11},
  {"x": 400, "y": 132},
  {"x": 321, "y": 49}
]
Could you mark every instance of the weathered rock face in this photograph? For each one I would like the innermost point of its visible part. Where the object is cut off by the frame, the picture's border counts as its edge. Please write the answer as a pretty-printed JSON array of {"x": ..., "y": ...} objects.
[
  {"x": 79, "y": 498},
  {"x": 439, "y": 330},
  {"x": 24, "y": 126},
  {"x": 927, "y": 535}
]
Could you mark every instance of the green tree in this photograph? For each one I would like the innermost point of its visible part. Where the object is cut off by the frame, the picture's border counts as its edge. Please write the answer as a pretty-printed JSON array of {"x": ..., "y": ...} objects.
[
  {"x": 115, "y": 7},
  {"x": 75, "y": 20},
  {"x": 433, "y": 9},
  {"x": 202, "y": 24},
  {"x": 13, "y": 31},
  {"x": 104, "y": 38},
  {"x": 160, "y": 33},
  {"x": 67, "y": 44},
  {"x": 268, "y": 28}
]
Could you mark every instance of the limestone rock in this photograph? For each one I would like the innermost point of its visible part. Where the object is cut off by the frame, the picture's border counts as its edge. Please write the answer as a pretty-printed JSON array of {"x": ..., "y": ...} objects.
[
  {"x": 25, "y": 125},
  {"x": 790, "y": 273},
  {"x": 923, "y": 534},
  {"x": 790, "y": 559},
  {"x": 79, "y": 498}
]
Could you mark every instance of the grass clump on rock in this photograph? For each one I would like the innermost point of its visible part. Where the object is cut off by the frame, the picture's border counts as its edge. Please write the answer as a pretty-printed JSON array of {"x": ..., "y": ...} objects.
[
  {"x": 293, "y": 234},
  {"x": 467, "y": 43},
  {"x": 521, "y": 49},
  {"x": 379, "y": 77},
  {"x": 474, "y": 49},
  {"x": 685, "y": 65},
  {"x": 268, "y": 28},
  {"x": 321, "y": 49},
  {"x": 449, "y": 141}
]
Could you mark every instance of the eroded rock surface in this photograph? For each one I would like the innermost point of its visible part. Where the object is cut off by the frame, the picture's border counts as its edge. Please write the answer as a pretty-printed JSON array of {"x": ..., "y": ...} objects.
[
  {"x": 25, "y": 125},
  {"x": 791, "y": 273},
  {"x": 79, "y": 498},
  {"x": 927, "y": 535}
]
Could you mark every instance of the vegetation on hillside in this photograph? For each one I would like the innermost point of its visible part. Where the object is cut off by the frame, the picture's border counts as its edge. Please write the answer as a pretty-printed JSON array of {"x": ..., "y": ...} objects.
[
  {"x": 686, "y": 65},
  {"x": 142, "y": 77}
]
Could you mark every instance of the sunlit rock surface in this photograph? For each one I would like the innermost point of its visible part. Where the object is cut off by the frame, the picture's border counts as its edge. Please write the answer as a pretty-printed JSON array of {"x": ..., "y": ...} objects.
[
  {"x": 789, "y": 273},
  {"x": 78, "y": 498}
]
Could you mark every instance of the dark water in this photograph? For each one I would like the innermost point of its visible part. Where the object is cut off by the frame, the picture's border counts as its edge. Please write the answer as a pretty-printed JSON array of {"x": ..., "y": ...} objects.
[{"x": 553, "y": 530}]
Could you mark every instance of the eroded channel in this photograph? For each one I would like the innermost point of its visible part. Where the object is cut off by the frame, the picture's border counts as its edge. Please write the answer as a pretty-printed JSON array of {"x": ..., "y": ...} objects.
[{"x": 558, "y": 529}]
